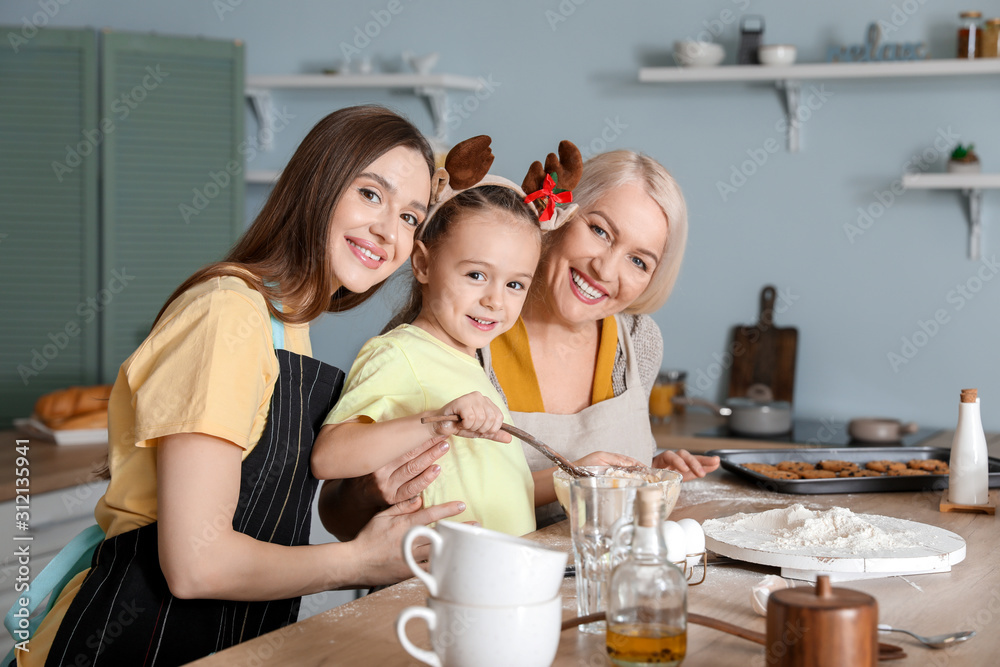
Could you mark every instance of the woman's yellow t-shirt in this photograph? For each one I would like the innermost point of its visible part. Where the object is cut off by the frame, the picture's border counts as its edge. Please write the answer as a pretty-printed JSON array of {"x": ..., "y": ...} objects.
[{"x": 208, "y": 367}]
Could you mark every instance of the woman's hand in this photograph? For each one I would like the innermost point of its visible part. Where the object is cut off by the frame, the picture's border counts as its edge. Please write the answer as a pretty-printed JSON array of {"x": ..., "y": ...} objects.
[
  {"x": 607, "y": 459},
  {"x": 345, "y": 506},
  {"x": 479, "y": 417},
  {"x": 690, "y": 465},
  {"x": 378, "y": 545}
]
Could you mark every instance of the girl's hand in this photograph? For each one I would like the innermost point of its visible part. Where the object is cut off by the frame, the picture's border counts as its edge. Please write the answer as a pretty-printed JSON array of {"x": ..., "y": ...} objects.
[
  {"x": 479, "y": 417},
  {"x": 607, "y": 459},
  {"x": 690, "y": 465},
  {"x": 378, "y": 544}
]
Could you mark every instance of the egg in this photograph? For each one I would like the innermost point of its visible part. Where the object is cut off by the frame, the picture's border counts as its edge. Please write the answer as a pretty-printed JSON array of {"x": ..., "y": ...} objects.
[
  {"x": 694, "y": 540},
  {"x": 676, "y": 541}
]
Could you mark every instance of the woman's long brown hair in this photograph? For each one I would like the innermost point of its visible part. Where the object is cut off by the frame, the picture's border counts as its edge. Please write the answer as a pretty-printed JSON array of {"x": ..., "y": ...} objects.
[{"x": 283, "y": 254}]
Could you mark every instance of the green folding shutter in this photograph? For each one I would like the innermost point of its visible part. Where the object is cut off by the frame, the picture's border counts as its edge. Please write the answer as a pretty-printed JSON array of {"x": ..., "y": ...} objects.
[
  {"x": 48, "y": 215},
  {"x": 169, "y": 203}
]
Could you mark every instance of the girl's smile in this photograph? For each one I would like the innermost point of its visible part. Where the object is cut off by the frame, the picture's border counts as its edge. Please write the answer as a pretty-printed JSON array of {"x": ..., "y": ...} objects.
[{"x": 477, "y": 280}]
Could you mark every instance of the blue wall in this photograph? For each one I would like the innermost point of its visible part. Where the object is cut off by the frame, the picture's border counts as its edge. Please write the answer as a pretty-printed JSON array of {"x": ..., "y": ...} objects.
[{"x": 853, "y": 300}]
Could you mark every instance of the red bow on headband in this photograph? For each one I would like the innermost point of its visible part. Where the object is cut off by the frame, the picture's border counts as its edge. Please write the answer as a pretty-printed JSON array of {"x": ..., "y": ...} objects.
[{"x": 561, "y": 197}]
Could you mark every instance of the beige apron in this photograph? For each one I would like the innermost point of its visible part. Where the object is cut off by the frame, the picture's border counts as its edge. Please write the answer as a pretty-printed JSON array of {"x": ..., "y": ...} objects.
[{"x": 619, "y": 424}]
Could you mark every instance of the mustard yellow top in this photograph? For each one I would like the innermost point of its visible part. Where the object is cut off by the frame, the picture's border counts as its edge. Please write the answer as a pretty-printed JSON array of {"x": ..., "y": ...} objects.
[{"x": 511, "y": 357}]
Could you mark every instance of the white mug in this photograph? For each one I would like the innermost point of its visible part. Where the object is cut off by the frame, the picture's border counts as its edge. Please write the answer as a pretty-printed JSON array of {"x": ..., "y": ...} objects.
[
  {"x": 474, "y": 565},
  {"x": 464, "y": 635}
]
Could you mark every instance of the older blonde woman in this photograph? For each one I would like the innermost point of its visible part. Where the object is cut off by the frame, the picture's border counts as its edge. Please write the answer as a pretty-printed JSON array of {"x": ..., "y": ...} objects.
[{"x": 577, "y": 369}]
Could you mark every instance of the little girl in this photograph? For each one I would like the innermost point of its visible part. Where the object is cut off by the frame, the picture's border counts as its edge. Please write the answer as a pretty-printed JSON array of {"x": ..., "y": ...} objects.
[{"x": 472, "y": 265}]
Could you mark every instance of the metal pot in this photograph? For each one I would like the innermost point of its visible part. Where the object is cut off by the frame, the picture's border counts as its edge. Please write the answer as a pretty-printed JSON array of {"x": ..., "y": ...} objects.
[
  {"x": 879, "y": 429},
  {"x": 747, "y": 416}
]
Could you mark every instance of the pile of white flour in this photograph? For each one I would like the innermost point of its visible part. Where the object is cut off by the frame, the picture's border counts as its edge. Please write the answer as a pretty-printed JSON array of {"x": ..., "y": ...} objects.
[{"x": 796, "y": 529}]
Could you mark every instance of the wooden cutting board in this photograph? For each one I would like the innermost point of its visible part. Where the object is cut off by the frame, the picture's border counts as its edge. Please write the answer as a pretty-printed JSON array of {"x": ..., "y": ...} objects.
[{"x": 764, "y": 353}]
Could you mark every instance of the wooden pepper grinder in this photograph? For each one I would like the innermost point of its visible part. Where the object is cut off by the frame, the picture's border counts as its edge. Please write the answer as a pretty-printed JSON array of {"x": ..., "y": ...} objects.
[{"x": 821, "y": 627}]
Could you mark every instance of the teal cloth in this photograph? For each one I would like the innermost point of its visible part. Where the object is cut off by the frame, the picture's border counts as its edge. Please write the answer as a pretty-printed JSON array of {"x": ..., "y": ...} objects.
[{"x": 73, "y": 559}]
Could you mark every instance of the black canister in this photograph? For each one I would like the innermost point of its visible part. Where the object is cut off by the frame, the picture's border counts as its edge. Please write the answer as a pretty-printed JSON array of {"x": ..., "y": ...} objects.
[{"x": 751, "y": 35}]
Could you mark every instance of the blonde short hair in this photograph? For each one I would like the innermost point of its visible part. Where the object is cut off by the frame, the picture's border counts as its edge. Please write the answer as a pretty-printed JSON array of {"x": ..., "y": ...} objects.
[{"x": 614, "y": 169}]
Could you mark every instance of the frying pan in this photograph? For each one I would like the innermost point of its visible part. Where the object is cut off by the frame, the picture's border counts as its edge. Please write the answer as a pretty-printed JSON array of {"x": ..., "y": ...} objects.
[{"x": 747, "y": 416}]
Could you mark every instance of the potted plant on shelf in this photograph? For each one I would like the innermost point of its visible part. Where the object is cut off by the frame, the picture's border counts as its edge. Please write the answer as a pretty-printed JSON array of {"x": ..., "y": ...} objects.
[{"x": 964, "y": 160}]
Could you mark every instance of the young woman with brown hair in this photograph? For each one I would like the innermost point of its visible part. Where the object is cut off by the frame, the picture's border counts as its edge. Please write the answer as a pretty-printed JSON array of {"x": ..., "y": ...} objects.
[{"x": 212, "y": 419}]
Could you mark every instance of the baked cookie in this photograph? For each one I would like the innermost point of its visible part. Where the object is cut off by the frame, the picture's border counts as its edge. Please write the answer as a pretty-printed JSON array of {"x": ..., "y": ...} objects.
[
  {"x": 837, "y": 466},
  {"x": 859, "y": 473},
  {"x": 906, "y": 472},
  {"x": 759, "y": 467},
  {"x": 885, "y": 466},
  {"x": 798, "y": 467},
  {"x": 780, "y": 474},
  {"x": 933, "y": 466},
  {"x": 817, "y": 474}
]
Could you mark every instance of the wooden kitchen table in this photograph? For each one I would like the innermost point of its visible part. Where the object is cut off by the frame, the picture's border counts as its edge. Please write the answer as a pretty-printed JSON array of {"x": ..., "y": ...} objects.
[{"x": 967, "y": 598}]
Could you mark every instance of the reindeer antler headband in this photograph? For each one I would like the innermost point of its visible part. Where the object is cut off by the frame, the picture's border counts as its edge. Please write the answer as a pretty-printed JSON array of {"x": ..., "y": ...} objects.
[{"x": 468, "y": 164}]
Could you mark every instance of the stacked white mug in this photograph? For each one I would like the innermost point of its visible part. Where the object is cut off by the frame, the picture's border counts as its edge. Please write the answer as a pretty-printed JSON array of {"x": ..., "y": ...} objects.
[{"x": 494, "y": 599}]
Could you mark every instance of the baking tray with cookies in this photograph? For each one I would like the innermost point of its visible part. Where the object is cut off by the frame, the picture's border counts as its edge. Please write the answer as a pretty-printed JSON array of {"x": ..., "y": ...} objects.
[{"x": 845, "y": 470}]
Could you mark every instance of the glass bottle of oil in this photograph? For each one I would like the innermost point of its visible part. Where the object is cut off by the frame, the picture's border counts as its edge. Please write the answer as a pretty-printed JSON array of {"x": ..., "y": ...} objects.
[{"x": 647, "y": 595}]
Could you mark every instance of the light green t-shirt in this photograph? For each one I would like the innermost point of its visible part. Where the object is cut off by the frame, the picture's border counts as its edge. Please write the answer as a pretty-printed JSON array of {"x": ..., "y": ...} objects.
[{"x": 407, "y": 371}]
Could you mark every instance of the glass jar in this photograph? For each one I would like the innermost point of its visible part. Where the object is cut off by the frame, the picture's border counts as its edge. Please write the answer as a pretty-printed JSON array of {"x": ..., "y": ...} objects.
[
  {"x": 647, "y": 595},
  {"x": 991, "y": 39},
  {"x": 969, "y": 35},
  {"x": 668, "y": 384}
]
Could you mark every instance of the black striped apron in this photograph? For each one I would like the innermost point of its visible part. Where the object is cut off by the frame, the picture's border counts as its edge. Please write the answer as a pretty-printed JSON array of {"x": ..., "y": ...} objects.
[{"x": 124, "y": 613}]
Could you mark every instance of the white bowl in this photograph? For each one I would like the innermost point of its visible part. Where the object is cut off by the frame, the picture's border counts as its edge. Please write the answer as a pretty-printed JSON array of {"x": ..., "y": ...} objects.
[
  {"x": 776, "y": 54},
  {"x": 668, "y": 480},
  {"x": 691, "y": 53}
]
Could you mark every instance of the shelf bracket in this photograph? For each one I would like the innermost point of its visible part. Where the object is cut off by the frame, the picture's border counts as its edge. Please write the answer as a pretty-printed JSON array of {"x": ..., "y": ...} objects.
[
  {"x": 975, "y": 199},
  {"x": 792, "y": 92},
  {"x": 263, "y": 111},
  {"x": 437, "y": 102}
]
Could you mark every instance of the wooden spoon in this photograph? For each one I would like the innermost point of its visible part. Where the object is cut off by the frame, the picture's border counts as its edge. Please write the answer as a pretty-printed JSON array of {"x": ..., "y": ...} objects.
[
  {"x": 885, "y": 651},
  {"x": 547, "y": 451}
]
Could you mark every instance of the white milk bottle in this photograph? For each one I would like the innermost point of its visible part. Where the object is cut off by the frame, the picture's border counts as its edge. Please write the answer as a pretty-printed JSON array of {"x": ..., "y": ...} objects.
[{"x": 968, "y": 481}]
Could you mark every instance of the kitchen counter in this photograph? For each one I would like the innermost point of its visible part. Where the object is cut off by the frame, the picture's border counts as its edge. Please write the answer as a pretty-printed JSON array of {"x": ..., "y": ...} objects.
[
  {"x": 52, "y": 467},
  {"x": 967, "y": 598},
  {"x": 55, "y": 467}
]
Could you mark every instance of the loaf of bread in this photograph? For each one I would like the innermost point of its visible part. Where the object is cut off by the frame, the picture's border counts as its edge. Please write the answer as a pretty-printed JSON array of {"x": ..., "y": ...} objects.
[{"x": 74, "y": 408}]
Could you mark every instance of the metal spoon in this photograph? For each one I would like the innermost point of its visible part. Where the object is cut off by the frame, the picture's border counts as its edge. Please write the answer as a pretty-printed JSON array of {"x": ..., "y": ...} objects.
[
  {"x": 547, "y": 451},
  {"x": 937, "y": 641}
]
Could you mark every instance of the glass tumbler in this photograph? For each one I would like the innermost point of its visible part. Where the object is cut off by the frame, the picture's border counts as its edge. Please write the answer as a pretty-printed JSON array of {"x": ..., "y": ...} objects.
[{"x": 598, "y": 507}]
